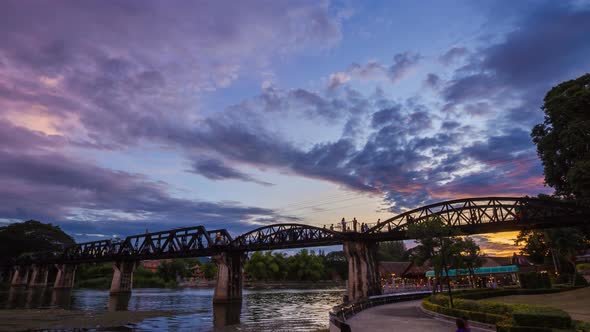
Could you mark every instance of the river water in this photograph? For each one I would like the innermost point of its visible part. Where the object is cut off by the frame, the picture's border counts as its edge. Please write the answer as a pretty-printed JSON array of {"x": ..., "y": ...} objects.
[{"x": 261, "y": 310}]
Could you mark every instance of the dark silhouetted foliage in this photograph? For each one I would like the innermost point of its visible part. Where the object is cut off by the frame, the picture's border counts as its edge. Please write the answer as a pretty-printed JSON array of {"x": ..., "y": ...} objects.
[{"x": 31, "y": 236}]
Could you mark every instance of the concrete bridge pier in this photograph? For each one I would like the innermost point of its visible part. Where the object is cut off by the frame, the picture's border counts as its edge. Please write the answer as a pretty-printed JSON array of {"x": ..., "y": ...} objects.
[
  {"x": 226, "y": 314},
  {"x": 122, "y": 277},
  {"x": 20, "y": 276},
  {"x": 363, "y": 269},
  {"x": 6, "y": 274},
  {"x": 230, "y": 267},
  {"x": 66, "y": 274},
  {"x": 39, "y": 276}
]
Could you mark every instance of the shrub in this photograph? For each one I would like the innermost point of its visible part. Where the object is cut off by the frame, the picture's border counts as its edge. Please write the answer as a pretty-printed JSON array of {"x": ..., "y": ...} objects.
[
  {"x": 581, "y": 325},
  {"x": 440, "y": 299},
  {"x": 477, "y": 316},
  {"x": 487, "y": 293},
  {"x": 507, "y": 317},
  {"x": 534, "y": 280},
  {"x": 580, "y": 281},
  {"x": 540, "y": 316},
  {"x": 508, "y": 326}
]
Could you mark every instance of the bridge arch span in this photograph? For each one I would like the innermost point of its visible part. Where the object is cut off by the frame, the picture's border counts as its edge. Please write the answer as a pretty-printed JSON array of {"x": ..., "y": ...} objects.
[
  {"x": 493, "y": 214},
  {"x": 284, "y": 236}
]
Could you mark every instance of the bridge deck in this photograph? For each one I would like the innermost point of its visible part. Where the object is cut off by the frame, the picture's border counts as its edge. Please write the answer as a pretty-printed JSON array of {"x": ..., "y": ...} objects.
[{"x": 469, "y": 215}]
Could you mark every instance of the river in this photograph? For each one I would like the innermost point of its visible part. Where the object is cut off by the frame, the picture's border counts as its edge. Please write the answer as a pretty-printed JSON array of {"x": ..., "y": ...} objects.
[{"x": 261, "y": 310}]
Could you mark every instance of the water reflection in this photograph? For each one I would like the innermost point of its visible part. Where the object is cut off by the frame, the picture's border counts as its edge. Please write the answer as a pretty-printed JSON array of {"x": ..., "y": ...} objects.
[
  {"x": 226, "y": 314},
  {"x": 19, "y": 297},
  {"x": 61, "y": 298},
  {"x": 119, "y": 302},
  {"x": 260, "y": 310}
]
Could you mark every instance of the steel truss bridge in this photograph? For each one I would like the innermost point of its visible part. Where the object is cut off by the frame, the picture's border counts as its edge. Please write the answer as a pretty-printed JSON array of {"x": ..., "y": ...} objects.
[{"x": 469, "y": 215}]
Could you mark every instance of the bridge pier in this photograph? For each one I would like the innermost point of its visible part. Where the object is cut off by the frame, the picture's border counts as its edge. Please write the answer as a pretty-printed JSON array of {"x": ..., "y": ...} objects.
[
  {"x": 20, "y": 276},
  {"x": 66, "y": 274},
  {"x": 122, "y": 277},
  {"x": 230, "y": 266},
  {"x": 6, "y": 274},
  {"x": 363, "y": 270},
  {"x": 39, "y": 276}
]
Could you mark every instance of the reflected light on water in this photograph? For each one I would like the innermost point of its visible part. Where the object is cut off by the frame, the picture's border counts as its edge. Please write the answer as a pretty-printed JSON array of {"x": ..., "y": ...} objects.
[{"x": 261, "y": 310}]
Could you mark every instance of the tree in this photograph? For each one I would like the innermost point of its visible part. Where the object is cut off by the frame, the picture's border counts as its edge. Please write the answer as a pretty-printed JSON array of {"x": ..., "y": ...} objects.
[
  {"x": 305, "y": 266},
  {"x": 171, "y": 270},
  {"x": 437, "y": 244},
  {"x": 30, "y": 237},
  {"x": 567, "y": 242},
  {"x": 209, "y": 270},
  {"x": 469, "y": 256},
  {"x": 563, "y": 139},
  {"x": 335, "y": 263},
  {"x": 558, "y": 243},
  {"x": 266, "y": 266},
  {"x": 392, "y": 251},
  {"x": 534, "y": 245}
]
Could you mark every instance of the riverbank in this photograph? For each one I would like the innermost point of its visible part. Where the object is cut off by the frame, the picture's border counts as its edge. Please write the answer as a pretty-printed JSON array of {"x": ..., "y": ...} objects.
[{"x": 56, "y": 319}]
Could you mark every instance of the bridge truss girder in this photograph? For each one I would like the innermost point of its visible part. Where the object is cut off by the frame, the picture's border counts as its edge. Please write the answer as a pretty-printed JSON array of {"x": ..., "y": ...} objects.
[{"x": 486, "y": 215}]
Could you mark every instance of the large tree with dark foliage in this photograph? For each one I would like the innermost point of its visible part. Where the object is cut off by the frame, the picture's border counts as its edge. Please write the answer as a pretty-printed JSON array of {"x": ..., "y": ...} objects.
[
  {"x": 30, "y": 237},
  {"x": 563, "y": 139}
]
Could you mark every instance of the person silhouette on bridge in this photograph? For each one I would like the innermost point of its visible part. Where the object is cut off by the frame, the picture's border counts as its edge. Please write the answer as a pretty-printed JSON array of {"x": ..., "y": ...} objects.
[
  {"x": 332, "y": 227},
  {"x": 343, "y": 224},
  {"x": 354, "y": 222}
]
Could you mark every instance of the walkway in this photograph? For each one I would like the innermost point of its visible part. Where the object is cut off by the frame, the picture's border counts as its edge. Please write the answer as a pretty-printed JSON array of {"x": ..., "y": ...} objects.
[{"x": 402, "y": 316}]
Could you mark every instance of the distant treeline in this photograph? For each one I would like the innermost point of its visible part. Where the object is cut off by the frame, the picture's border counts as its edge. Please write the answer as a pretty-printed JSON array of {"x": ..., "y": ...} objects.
[
  {"x": 167, "y": 275},
  {"x": 303, "y": 266},
  {"x": 306, "y": 265}
]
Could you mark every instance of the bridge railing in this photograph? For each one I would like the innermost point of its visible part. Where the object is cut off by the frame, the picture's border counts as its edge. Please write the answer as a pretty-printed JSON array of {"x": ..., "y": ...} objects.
[{"x": 349, "y": 226}]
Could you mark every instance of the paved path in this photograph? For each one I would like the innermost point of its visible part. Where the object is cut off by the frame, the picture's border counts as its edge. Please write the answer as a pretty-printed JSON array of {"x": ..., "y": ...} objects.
[{"x": 402, "y": 316}]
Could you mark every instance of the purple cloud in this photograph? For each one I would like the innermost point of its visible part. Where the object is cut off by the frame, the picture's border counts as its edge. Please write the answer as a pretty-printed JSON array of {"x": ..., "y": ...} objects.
[
  {"x": 135, "y": 73},
  {"x": 402, "y": 66},
  {"x": 548, "y": 46},
  {"x": 453, "y": 55},
  {"x": 215, "y": 169}
]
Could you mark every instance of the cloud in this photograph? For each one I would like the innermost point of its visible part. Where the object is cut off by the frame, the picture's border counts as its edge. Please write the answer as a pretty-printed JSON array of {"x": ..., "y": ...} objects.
[
  {"x": 134, "y": 74},
  {"x": 453, "y": 55},
  {"x": 124, "y": 66},
  {"x": 547, "y": 47},
  {"x": 402, "y": 66},
  {"x": 338, "y": 79},
  {"x": 433, "y": 81},
  {"x": 492, "y": 246},
  {"x": 215, "y": 169}
]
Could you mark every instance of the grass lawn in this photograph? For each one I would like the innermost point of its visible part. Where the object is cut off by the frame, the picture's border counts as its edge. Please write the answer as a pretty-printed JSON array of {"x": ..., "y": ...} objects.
[{"x": 575, "y": 302}]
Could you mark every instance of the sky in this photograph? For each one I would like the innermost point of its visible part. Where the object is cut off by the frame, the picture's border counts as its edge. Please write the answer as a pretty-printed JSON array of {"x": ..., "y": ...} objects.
[{"x": 117, "y": 116}]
